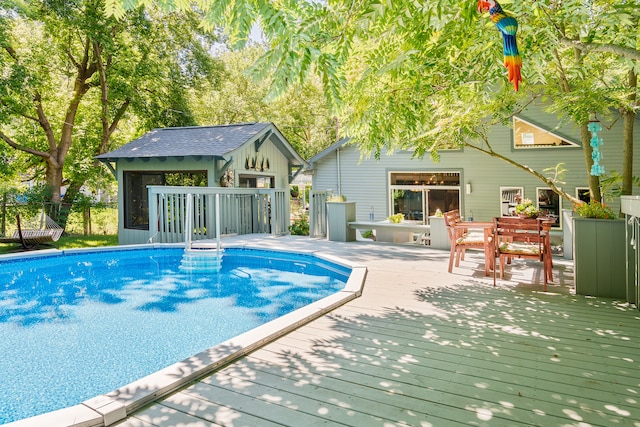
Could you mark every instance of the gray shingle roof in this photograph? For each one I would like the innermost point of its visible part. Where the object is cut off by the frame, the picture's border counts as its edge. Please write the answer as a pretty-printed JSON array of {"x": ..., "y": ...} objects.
[{"x": 188, "y": 141}]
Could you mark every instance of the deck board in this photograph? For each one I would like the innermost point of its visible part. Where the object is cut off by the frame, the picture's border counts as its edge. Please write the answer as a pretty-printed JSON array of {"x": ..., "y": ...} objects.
[{"x": 425, "y": 347}]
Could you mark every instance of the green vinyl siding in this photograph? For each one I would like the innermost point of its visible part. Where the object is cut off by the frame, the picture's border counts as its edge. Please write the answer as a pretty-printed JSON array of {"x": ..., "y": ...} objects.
[{"x": 364, "y": 180}]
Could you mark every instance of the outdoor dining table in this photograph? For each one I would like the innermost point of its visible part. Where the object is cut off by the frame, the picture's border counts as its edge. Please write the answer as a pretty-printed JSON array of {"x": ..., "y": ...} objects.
[
  {"x": 547, "y": 223},
  {"x": 487, "y": 228}
]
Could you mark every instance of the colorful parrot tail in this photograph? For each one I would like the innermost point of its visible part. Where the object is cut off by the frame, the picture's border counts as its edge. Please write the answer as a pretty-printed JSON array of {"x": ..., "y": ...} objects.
[{"x": 514, "y": 64}]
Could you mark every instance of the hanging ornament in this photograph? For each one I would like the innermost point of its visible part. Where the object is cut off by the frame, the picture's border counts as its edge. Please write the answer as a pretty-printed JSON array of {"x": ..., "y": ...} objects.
[{"x": 594, "y": 127}]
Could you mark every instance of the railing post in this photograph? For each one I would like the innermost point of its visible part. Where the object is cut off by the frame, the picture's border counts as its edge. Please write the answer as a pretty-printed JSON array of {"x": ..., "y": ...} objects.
[
  {"x": 188, "y": 222},
  {"x": 153, "y": 215},
  {"x": 218, "y": 243}
]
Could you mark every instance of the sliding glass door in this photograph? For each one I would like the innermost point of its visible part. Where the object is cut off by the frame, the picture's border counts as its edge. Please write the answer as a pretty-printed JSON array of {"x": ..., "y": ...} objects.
[{"x": 418, "y": 195}]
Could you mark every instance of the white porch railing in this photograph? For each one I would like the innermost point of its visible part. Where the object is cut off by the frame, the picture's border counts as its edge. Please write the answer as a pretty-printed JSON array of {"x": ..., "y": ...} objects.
[{"x": 242, "y": 211}]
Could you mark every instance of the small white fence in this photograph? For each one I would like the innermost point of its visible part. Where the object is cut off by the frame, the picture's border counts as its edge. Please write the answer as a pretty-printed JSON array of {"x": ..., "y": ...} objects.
[{"x": 215, "y": 211}]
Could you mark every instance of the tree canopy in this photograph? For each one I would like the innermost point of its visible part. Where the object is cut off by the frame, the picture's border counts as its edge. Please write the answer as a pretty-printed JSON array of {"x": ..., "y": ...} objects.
[
  {"x": 396, "y": 74},
  {"x": 424, "y": 75},
  {"x": 300, "y": 113},
  {"x": 71, "y": 77}
]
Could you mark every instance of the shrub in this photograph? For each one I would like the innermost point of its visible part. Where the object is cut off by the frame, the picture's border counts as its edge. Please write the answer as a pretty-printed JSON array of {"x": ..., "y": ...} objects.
[
  {"x": 300, "y": 226},
  {"x": 594, "y": 209},
  {"x": 367, "y": 234}
]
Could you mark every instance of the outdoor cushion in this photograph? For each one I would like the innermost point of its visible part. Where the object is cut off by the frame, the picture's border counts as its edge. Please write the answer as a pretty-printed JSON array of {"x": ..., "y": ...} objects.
[
  {"x": 520, "y": 248},
  {"x": 471, "y": 238}
]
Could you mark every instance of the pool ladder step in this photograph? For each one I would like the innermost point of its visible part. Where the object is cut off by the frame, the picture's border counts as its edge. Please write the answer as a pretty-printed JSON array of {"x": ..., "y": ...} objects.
[{"x": 201, "y": 260}]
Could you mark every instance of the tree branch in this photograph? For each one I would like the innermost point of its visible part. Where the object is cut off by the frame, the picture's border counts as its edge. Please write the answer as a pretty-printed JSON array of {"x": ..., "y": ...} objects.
[
  {"x": 26, "y": 149},
  {"x": 12, "y": 53},
  {"x": 24, "y": 115},
  {"x": 623, "y": 51},
  {"x": 525, "y": 168},
  {"x": 104, "y": 98},
  {"x": 45, "y": 125}
]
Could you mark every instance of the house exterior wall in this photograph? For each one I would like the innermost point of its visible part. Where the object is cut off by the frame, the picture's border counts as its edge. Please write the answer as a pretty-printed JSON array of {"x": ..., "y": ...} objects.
[
  {"x": 365, "y": 180},
  {"x": 278, "y": 162}
]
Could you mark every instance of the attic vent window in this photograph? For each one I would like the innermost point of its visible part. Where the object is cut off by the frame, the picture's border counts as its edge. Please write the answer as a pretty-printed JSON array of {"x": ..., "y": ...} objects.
[{"x": 529, "y": 136}]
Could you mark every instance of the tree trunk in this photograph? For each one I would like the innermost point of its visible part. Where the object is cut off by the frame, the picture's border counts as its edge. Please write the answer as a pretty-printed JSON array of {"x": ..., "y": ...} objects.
[
  {"x": 54, "y": 180},
  {"x": 594, "y": 180},
  {"x": 629, "y": 117},
  {"x": 86, "y": 221},
  {"x": 62, "y": 214},
  {"x": 3, "y": 227}
]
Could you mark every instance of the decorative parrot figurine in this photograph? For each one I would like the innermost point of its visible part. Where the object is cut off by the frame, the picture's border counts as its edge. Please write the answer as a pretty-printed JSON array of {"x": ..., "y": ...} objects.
[{"x": 508, "y": 26}]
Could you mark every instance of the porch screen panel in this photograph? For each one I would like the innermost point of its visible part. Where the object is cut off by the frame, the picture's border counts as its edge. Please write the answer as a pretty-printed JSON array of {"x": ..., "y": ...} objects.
[
  {"x": 136, "y": 198},
  {"x": 136, "y": 203}
]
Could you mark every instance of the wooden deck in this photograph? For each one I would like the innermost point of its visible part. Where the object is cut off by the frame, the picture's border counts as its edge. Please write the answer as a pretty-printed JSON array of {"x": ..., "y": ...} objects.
[{"x": 423, "y": 347}]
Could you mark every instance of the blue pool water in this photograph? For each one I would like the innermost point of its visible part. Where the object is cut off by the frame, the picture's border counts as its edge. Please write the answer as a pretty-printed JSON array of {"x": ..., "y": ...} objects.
[{"x": 74, "y": 326}]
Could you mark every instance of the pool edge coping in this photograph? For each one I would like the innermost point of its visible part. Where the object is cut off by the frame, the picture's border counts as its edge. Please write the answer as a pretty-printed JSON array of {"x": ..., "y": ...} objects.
[{"x": 115, "y": 406}]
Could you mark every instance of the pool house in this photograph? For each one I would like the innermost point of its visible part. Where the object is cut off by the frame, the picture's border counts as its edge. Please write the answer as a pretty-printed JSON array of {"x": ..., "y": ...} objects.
[{"x": 172, "y": 178}]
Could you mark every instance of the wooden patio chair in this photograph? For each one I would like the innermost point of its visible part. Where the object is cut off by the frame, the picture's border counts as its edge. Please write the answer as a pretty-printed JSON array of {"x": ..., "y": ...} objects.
[
  {"x": 521, "y": 238},
  {"x": 462, "y": 237}
]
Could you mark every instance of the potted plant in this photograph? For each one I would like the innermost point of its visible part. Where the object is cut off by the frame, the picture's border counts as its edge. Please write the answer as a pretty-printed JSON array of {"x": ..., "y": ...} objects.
[
  {"x": 337, "y": 198},
  {"x": 526, "y": 209},
  {"x": 594, "y": 209},
  {"x": 295, "y": 191},
  {"x": 397, "y": 218},
  {"x": 599, "y": 251}
]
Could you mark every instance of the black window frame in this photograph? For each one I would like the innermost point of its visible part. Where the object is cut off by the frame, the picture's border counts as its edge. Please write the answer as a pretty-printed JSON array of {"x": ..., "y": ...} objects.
[{"x": 136, "y": 198}]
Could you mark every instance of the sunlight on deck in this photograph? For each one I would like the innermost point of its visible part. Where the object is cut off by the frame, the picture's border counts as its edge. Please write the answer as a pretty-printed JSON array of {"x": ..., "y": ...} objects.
[{"x": 422, "y": 347}]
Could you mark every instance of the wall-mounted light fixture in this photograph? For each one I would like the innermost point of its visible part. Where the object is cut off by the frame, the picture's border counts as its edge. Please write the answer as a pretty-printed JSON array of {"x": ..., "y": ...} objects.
[{"x": 468, "y": 188}]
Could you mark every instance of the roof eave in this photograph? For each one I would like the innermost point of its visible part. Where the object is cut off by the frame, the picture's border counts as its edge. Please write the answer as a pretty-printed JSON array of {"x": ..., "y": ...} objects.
[{"x": 333, "y": 147}]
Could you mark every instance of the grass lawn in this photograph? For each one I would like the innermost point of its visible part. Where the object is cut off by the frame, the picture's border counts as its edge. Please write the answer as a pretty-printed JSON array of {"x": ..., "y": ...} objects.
[
  {"x": 104, "y": 225},
  {"x": 68, "y": 242}
]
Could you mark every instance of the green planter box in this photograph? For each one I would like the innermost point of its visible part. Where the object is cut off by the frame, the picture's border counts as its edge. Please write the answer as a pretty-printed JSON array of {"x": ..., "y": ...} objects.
[
  {"x": 600, "y": 257},
  {"x": 338, "y": 214}
]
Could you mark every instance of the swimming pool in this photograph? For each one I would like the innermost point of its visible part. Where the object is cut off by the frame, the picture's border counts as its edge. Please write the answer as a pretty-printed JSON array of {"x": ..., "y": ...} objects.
[{"x": 134, "y": 312}]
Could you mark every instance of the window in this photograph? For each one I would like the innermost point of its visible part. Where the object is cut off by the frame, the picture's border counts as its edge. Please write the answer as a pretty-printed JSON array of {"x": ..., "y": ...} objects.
[
  {"x": 256, "y": 181},
  {"x": 584, "y": 194},
  {"x": 509, "y": 198},
  {"x": 549, "y": 204},
  {"x": 527, "y": 136},
  {"x": 136, "y": 196},
  {"x": 419, "y": 195}
]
